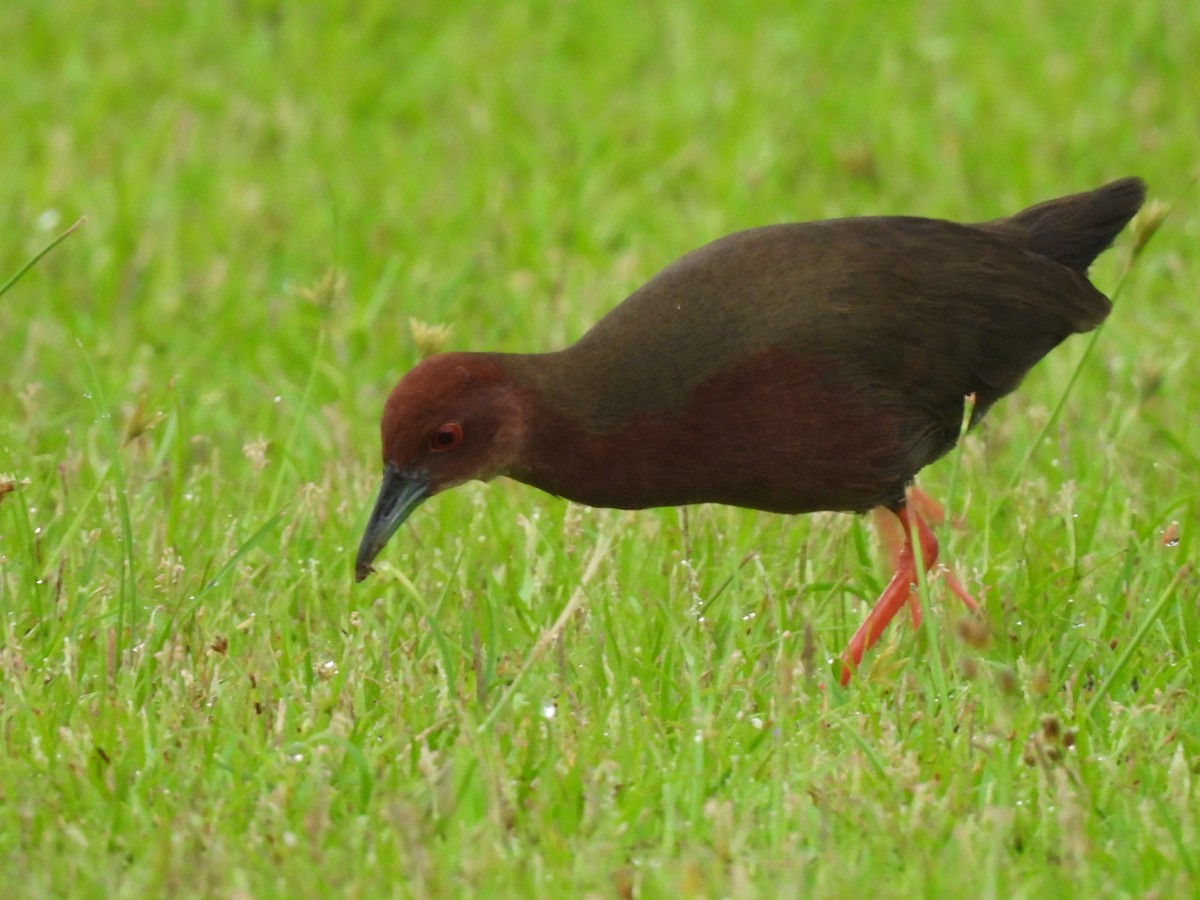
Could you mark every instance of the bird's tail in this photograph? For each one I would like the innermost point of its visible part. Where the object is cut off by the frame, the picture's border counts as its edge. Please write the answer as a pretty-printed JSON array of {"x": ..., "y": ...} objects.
[{"x": 1074, "y": 230}]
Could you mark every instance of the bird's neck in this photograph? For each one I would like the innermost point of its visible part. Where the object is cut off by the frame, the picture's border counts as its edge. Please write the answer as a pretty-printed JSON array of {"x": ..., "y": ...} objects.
[{"x": 572, "y": 448}]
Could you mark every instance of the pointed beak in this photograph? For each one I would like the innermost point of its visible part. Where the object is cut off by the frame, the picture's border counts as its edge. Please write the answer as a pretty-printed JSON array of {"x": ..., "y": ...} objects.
[{"x": 399, "y": 495}]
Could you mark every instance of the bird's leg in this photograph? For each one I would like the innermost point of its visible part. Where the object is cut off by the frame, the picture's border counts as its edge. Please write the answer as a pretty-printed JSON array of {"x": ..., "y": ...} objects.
[
  {"x": 934, "y": 514},
  {"x": 926, "y": 507},
  {"x": 900, "y": 590},
  {"x": 959, "y": 591},
  {"x": 891, "y": 532},
  {"x": 895, "y": 541},
  {"x": 894, "y": 537}
]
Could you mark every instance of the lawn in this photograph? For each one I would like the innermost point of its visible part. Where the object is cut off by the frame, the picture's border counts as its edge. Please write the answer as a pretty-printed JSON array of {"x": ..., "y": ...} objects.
[{"x": 287, "y": 204}]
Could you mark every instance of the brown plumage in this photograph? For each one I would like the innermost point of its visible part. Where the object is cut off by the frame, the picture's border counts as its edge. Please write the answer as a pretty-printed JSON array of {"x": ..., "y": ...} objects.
[{"x": 790, "y": 368}]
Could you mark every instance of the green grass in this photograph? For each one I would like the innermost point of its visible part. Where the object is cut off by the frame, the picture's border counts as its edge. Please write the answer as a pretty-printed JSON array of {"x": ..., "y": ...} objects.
[{"x": 195, "y": 699}]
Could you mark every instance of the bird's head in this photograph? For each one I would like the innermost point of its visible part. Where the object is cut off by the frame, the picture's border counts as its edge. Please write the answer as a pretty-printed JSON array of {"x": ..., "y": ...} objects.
[{"x": 453, "y": 418}]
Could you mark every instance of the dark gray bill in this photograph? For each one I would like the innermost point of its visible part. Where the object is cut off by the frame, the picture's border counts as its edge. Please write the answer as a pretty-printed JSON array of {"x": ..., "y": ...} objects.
[{"x": 399, "y": 495}]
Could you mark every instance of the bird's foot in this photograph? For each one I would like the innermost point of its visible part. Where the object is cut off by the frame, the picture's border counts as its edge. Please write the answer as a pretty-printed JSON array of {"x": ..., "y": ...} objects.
[{"x": 901, "y": 590}]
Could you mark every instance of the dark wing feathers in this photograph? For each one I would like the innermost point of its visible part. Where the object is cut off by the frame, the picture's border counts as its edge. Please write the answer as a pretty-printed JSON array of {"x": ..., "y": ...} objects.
[{"x": 921, "y": 310}]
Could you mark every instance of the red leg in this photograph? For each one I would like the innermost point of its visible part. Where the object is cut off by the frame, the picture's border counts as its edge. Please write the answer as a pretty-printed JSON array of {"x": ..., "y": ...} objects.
[
  {"x": 934, "y": 514},
  {"x": 899, "y": 590},
  {"x": 959, "y": 591},
  {"x": 891, "y": 534},
  {"x": 925, "y": 506},
  {"x": 894, "y": 538}
]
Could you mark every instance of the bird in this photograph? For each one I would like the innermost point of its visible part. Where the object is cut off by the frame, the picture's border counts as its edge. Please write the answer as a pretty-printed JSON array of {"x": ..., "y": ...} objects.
[{"x": 791, "y": 368}]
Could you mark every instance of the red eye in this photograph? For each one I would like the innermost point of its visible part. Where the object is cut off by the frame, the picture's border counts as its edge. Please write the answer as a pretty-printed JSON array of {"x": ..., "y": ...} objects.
[{"x": 447, "y": 437}]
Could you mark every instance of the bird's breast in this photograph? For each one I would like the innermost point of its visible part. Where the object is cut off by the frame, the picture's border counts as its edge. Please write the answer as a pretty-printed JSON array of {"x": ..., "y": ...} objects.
[{"x": 773, "y": 432}]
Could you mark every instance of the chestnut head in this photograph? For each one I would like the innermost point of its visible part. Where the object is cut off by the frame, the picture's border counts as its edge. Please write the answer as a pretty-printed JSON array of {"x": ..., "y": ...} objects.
[{"x": 453, "y": 418}]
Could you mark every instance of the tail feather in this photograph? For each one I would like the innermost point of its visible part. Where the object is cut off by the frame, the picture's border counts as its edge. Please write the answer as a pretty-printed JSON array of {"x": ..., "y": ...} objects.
[{"x": 1074, "y": 230}]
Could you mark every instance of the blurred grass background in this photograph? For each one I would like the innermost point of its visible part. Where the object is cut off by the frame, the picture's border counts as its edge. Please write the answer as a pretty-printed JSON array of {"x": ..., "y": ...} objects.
[{"x": 196, "y": 700}]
